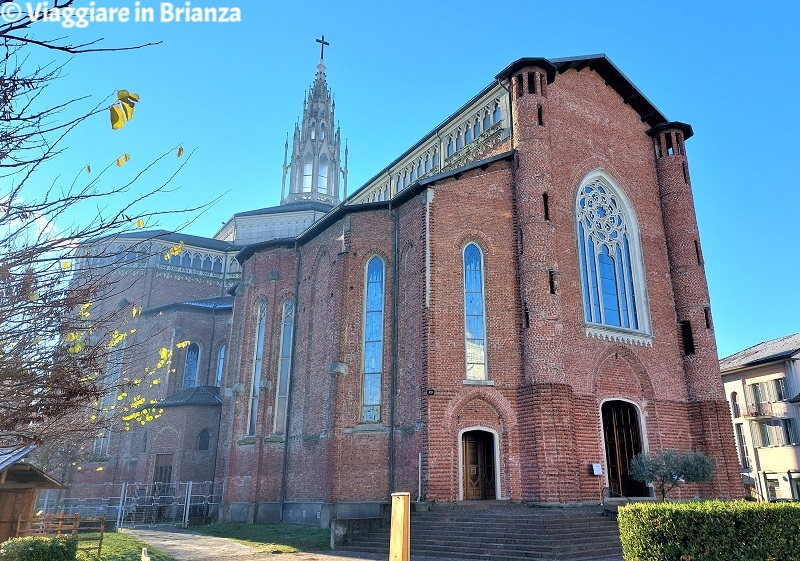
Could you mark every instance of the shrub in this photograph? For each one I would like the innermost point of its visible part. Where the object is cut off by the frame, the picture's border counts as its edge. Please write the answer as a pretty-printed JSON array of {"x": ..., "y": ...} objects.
[
  {"x": 39, "y": 548},
  {"x": 669, "y": 468},
  {"x": 710, "y": 531}
]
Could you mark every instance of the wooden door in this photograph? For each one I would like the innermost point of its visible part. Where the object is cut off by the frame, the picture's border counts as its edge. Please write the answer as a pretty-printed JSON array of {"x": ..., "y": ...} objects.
[
  {"x": 623, "y": 442},
  {"x": 478, "y": 465}
]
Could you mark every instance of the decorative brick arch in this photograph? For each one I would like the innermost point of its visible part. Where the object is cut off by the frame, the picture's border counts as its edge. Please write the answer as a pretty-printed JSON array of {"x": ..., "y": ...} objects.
[
  {"x": 481, "y": 408},
  {"x": 609, "y": 379},
  {"x": 166, "y": 440}
]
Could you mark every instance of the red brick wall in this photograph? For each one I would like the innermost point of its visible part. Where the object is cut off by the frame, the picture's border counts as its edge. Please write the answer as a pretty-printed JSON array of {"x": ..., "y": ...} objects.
[{"x": 549, "y": 378}]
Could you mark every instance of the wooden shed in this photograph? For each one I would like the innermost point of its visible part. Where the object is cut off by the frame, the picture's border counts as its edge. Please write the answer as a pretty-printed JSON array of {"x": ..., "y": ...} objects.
[{"x": 19, "y": 482}]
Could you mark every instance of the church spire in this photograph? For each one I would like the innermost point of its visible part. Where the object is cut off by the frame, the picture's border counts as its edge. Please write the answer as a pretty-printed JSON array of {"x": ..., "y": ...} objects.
[{"x": 316, "y": 148}]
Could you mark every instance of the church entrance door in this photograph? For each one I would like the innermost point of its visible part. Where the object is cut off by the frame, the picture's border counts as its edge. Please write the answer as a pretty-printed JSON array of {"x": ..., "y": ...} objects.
[
  {"x": 623, "y": 442},
  {"x": 478, "y": 465}
]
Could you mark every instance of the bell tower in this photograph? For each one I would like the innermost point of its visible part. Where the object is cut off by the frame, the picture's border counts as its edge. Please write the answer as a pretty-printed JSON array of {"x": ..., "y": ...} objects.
[{"x": 316, "y": 147}]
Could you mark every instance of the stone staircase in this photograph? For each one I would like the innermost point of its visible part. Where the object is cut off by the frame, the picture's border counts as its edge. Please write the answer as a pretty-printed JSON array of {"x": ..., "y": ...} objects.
[{"x": 492, "y": 531}]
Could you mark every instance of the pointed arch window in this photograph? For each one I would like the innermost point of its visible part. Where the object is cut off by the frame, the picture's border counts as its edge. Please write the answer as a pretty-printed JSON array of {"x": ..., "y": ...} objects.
[
  {"x": 610, "y": 260},
  {"x": 474, "y": 314},
  {"x": 373, "y": 341},
  {"x": 313, "y": 130},
  {"x": 308, "y": 173},
  {"x": 449, "y": 146},
  {"x": 252, "y": 415},
  {"x": 190, "y": 366},
  {"x": 497, "y": 115},
  {"x": 486, "y": 122},
  {"x": 284, "y": 368},
  {"x": 322, "y": 181},
  {"x": 427, "y": 163},
  {"x": 435, "y": 159},
  {"x": 459, "y": 140},
  {"x": 322, "y": 131},
  {"x": 468, "y": 134},
  {"x": 476, "y": 130}
]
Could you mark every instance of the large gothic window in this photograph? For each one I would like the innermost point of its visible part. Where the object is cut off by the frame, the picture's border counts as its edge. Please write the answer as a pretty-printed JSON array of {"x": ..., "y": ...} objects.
[
  {"x": 322, "y": 182},
  {"x": 373, "y": 341},
  {"x": 308, "y": 173},
  {"x": 190, "y": 367},
  {"x": 282, "y": 395},
  {"x": 474, "y": 324},
  {"x": 610, "y": 260},
  {"x": 257, "y": 362}
]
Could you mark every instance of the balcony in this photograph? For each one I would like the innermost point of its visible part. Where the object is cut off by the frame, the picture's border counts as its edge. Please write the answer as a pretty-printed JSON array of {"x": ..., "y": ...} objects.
[{"x": 758, "y": 410}]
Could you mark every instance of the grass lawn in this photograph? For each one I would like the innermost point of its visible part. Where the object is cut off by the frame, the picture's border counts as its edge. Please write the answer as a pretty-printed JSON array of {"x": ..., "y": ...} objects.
[
  {"x": 122, "y": 547},
  {"x": 272, "y": 538}
]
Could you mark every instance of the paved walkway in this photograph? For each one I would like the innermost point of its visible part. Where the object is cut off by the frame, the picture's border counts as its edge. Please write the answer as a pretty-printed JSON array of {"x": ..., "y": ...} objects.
[{"x": 185, "y": 545}]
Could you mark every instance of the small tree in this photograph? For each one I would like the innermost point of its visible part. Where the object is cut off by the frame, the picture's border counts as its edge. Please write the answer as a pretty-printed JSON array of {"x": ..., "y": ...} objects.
[{"x": 669, "y": 468}]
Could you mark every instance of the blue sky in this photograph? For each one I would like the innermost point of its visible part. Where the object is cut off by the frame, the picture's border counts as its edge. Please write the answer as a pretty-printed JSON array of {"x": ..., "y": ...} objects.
[{"x": 231, "y": 92}]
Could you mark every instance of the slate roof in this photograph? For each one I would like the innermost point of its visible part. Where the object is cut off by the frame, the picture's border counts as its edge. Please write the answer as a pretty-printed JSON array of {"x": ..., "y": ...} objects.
[
  {"x": 290, "y": 207},
  {"x": 775, "y": 350},
  {"x": 177, "y": 237},
  {"x": 198, "y": 395},
  {"x": 223, "y": 303}
]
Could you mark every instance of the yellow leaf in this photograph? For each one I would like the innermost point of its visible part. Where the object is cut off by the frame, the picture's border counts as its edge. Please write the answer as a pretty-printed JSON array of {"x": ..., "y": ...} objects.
[
  {"x": 123, "y": 94},
  {"x": 134, "y": 97},
  {"x": 135, "y": 311},
  {"x": 70, "y": 337},
  {"x": 126, "y": 156},
  {"x": 156, "y": 382},
  {"x": 65, "y": 265},
  {"x": 99, "y": 468},
  {"x": 120, "y": 161},
  {"x": 33, "y": 296},
  {"x": 164, "y": 353},
  {"x": 183, "y": 344},
  {"x": 140, "y": 223},
  {"x": 127, "y": 107},
  {"x": 117, "y": 117},
  {"x": 179, "y": 153},
  {"x": 88, "y": 168}
]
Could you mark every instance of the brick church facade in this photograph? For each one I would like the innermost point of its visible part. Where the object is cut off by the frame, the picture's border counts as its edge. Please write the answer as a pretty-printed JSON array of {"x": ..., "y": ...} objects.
[{"x": 514, "y": 301}]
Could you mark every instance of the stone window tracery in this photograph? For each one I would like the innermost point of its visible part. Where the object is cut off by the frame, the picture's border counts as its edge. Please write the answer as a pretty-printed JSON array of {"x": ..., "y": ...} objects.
[{"x": 610, "y": 260}]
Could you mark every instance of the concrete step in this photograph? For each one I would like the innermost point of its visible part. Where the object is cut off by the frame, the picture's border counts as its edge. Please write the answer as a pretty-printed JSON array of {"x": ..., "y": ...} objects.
[{"x": 498, "y": 532}]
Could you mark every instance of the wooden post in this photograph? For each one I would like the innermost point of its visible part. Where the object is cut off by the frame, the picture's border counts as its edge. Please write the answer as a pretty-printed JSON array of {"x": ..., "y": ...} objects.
[{"x": 400, "y": 536}]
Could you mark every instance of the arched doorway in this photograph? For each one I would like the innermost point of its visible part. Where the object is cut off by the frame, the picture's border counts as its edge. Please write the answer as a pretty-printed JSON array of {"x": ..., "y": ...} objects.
[
  {"x": 623, "y": 441},
  {"x": 478, "y": 465}
]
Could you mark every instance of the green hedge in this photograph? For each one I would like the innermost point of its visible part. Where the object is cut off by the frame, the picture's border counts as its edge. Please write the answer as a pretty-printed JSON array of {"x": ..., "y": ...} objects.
[
  {"x": 710, "y": 531},
  {"x": 37, "y": 548}
]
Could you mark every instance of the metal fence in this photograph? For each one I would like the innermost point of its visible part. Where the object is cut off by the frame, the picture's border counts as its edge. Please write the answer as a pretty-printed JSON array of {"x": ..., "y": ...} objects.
[{"x": 141, "y": 504}]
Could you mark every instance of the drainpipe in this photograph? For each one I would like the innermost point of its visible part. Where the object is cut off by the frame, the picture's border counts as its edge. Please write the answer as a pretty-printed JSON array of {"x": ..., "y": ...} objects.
[
  {"x": 393, "y": 371},
  {"x": 296, "y": 321}
]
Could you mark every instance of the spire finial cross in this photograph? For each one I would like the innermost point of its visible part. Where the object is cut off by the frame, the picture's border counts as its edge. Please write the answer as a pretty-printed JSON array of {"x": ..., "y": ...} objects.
[{"x": 322, "y": 43}]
